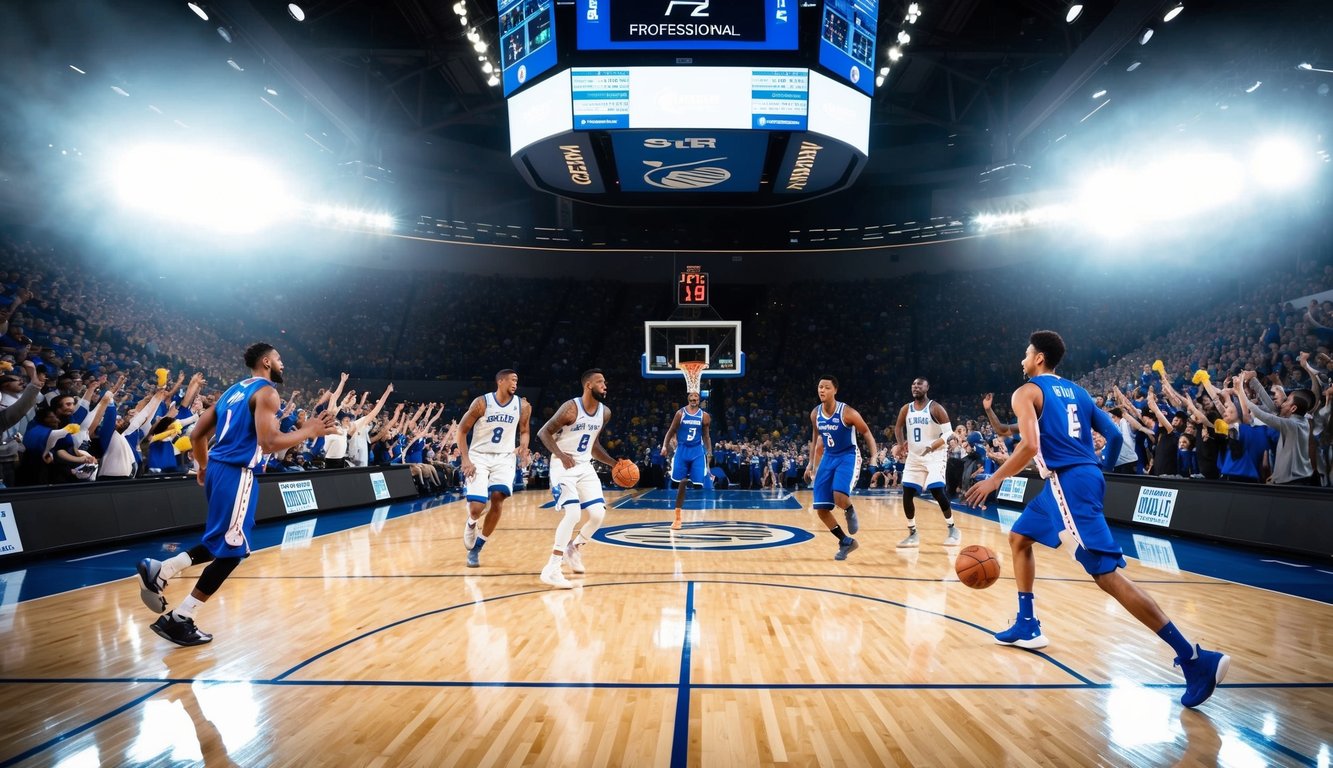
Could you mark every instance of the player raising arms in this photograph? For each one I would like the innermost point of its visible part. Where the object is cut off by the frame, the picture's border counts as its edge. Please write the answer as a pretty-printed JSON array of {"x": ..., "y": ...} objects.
[
  {"x": 571, "y": 436},
  {"x": 694, "y": 449},
  {"x": 1056, "y": 418},
  {"x": 835, "y": 461},
  {"x": 498, "y": 426},
  {"x": 923, "y": 435}
]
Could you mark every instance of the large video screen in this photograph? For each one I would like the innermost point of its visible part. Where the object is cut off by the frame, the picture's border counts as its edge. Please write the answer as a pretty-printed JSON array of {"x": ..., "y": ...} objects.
[
  {"x": 690, "y": 97},
  {"x": 847, "y": 40},
  {"x": 687, "y": 25},
  {"x": 527, "y": 40}
]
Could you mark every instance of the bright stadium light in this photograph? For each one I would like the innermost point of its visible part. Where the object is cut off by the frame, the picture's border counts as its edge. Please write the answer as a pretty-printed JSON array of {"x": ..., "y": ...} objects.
[
  {"x": 296, "y": 11},
  {"x": 1278, "y": 163},
  {"x": 1075, "y": 10},
  {"x": 493, "y": 81},
  {"x": 879, "y": 80},
  {"x": 895, "y": 53},
  {"x": 1174, "y": 12},
  {"x": 198, "y": 10},
  {"x": 904, "y": 38},
  {"x": 1145, "y": 35},
  {"x": 1254, "y": 87},
  {"x": 1099, "y": 94}
]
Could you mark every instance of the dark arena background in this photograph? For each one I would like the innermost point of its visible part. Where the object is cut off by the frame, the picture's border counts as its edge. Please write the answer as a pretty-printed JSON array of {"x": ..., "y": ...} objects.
[{"x": 492, "y": 248}]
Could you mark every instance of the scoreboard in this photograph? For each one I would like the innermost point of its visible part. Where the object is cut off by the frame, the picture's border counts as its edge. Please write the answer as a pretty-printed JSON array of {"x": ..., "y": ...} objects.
[{"x": 686, "y": 25}]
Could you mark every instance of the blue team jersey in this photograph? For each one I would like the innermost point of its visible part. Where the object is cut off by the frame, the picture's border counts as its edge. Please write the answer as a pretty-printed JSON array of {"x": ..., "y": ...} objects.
[
  {"x": 690, "y": 433},
  {"x": 1065, "y": 423},
  {"x": 837, "y": 436},
  {"x": 238, "y": 442}
]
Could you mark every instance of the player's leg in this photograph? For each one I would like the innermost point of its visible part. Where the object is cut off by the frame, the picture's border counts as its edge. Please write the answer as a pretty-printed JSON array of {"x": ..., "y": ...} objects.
[
  {"x": 935, "y": 485},
  {"x": 154, "y": 574},
  {"x": 477, "y": 496},
  {"x": 593, "y": 509},
  {"x": 824, "y": 503},
  {"x": 566, "y": 495},
  {"x": 1038, "y": 522},
  {"x": 678, "y": 476},
  {"x": 844, "y": 480},
  {"x": 500, "y": 473},
  {"x": 915, "y": 478}
]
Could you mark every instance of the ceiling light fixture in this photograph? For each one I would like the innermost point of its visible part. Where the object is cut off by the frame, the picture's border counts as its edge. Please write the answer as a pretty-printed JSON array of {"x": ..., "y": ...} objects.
[
  {"x": 76, "y": 69},
  {"x": 225, "y": 34},
  {"x": 1174, "y": 12},
  {"x": 232, "y": 63},
  {"x": 1145, "y": 35},
  {"x": 296, "y": 11},
  {"x": 1254, "y": 87},
  {"x": 1075, "y": 10},
  {"x": 1099, "y": 94},
  {"x": 198, "y": 10},
  {"x": 879, "y": 80},
  {"x": 895, "y": 53},
  {"x": 1133, "y": 66}
]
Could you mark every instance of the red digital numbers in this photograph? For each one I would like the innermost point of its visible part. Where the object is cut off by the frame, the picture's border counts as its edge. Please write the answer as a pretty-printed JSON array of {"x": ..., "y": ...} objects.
[{"x": 693, "y": 290}]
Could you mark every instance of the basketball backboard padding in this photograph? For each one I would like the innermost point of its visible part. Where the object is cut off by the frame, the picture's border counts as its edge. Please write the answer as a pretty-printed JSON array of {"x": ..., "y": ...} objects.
[{"x": 715, "y": 342}]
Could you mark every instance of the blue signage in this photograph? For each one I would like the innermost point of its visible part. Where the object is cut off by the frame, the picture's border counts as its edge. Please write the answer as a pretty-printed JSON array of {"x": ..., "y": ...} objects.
[
  {"x": 779, "y": 99},
  {"x": 847, "y": 40},
  {"x": 601, "y": 98},
  {"x": 527, "y": 40},
  {"x": 689, "y": 161},
  {"x": 687, "y": 25}
]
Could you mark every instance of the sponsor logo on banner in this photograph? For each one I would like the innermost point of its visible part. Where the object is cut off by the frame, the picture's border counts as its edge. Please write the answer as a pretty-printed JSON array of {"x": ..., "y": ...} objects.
[
  {"x": 1155, "y": 506},
  {"x": 575, "y": 165},
  {"x": 1012, "y": 489},
  {"x": 1156, "y": 553},
  {"x": 805, "y": 163},
  {"x": 722, "y": 536},
  {"x": 700, "y": 7},
  {"x": 684, "y": 162},
  {"x": 695, "y": 175},
  {"x": 10, "y": 543},
  {"x": 297, "y": 496},
  {"x": 379, "y": 485},
  {"x": 298, "y": 535}
]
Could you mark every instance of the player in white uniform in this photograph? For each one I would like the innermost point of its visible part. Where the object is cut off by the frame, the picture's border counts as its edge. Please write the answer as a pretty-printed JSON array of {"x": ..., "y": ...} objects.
[
  {"x": 497, "y": 423},
  {"x": 923, "y": 435},
  {"x": 572, "y": 436}
]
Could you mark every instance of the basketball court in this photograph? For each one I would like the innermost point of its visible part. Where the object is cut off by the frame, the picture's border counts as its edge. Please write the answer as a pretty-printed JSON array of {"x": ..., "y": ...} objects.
[{"x": 361, "y": 637}]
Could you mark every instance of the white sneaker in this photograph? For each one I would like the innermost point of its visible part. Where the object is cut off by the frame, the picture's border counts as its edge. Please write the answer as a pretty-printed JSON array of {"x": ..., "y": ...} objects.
[
  {"x": 574, "y": 557},
  {"x": 954, "y": 538},
  {"x": 551, "y": 575},
  {"x": 470, "y": 533},
  {"x": 912, "y": 540}
]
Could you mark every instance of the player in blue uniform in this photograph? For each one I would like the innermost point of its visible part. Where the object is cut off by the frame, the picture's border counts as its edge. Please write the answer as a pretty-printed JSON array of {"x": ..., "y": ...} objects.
[
  {"x": 246, "y": 420},
  {"x": 694, "y": 448},
  {"x": 835, "y": 461},
  {"x": 1056, "y": 418}
]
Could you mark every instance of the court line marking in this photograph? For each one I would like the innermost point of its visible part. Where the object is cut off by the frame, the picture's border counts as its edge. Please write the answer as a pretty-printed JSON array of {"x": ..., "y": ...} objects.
[
  {"x": 93, "y": 557},
  {"x": 1257, "y": 739},
  {"x": 680, "y": 736},
  {"x": 86, "y": 726}
]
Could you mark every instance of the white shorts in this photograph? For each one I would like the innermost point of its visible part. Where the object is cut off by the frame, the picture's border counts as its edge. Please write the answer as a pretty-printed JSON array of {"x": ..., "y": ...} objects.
[
  {"x": 495, "y": 472},
  {"x": 925, "y": 473},
  {"x": 579, "y": 485}
]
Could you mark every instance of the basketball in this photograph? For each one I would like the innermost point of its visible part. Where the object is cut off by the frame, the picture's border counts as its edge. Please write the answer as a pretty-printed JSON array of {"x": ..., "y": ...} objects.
[
  {"x": 977, "y": 567},
  {"x": 625, "y": 473}
]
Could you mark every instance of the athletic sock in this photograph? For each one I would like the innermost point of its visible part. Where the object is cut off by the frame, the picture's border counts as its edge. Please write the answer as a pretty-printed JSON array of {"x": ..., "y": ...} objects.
[
  {"x": 837, "y": 533},
  {"x": 1025, "y": 607},
  {"x": 174, "y": 565},
  {"x": 1177, "y": 641},
  {"x": 187, "y": 608},
  {"x": 555, "y": 561},
  {"x": 481, "y": 536}
]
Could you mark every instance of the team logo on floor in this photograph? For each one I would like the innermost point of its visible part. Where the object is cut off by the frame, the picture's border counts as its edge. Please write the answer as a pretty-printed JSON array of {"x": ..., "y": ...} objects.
[{"x": 721, "y": 535}]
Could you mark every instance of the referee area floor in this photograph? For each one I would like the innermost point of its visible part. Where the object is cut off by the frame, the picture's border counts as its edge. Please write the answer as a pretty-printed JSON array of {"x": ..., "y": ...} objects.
[{"x": 360, "y": 637}]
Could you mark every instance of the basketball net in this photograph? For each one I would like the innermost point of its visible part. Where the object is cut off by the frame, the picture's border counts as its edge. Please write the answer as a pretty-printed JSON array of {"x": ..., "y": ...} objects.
[{"x": 694, "y": 375}]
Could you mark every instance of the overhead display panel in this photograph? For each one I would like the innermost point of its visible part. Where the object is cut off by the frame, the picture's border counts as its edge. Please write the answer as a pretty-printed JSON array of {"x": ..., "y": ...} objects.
[
  {"x": 687, "y": 25},
  {"x": 690, "y": 161},
  {"x": 847, "y": 40},
  {"x": 690, "y": 97},
  {"x": 527, "y": 40}
]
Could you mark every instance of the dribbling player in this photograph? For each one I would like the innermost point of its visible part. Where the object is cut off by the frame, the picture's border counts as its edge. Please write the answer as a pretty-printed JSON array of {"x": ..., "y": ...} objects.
[
  {"x": 572, "y": 438},
  {"x": 248, "y": 417},
  {"x": 694, "y": 449},
  {"x": 497, "y": 424},
  {"x": 923, "y": 431},
  {"x": 835, "y": 462},
  {"x": 1056, "y": 418}
]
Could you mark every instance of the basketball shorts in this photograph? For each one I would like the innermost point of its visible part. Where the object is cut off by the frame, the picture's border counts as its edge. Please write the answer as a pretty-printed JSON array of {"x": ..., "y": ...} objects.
[
  {"x": 689, "y": 464},
  {"x": 925, "y": 473},
  {"x": 1072, "y": 501},
  {"x": 495, "y": 472},
  {"x": 232, "y": 496},
  {"x": 837, "y": 473},
  {"x": 579, "y": 485}
]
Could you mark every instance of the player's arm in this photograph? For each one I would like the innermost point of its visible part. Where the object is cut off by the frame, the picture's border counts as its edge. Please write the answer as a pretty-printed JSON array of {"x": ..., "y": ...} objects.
[
  {"x": 1025, "y": 404},
  {"x": 854, "y": 419},
  {"x": 598, "y": 452},
  {"x": 562, "y": 418},
  {"x": 900, "y": 435},
  {"x": 524, "y": 432},
  {"x": 940, "y": 416},
  {"x": 203, "y": 431},
  {"x": 996, "y": 423},
  {"x": 1104, "y": 425},
  {"x": 670, "y": 436},
  {"x": 1162, "y": 421},
  {"x": 816, "y": 448},
  {"x": 474, "y": 412},
  {"x": 708, "y": 441}
]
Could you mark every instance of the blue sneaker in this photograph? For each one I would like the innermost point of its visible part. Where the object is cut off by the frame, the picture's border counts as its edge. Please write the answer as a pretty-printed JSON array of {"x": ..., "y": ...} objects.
[
  {"x": 853, "y": 524},
  {"x": 1025, "y": 633},
  {"x": 1202, "y": 674},
  {"x": 474, "y": 554},
  {"x": 848, "y": 546}
]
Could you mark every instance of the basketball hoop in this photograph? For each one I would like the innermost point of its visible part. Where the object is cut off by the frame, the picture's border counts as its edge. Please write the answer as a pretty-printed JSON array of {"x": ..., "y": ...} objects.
[{"x": 694, "y": 374}]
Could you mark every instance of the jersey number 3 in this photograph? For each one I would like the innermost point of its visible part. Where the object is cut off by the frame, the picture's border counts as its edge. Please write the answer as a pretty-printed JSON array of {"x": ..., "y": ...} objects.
[{"x": 1075, "y": 428}]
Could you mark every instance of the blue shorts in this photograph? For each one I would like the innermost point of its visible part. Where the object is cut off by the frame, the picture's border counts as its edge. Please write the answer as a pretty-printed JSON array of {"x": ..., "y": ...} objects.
[
  {"x": 232, "y": 495},
  {"x": 689, "y": 463},
  {"x": 1072, "y": 501},
  {"x": 837, "y": 473}
]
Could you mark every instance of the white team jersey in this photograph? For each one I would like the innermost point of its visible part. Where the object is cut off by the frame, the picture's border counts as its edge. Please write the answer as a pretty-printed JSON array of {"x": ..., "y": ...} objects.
[
  {"x": 497, "y": 430},
  {"x": 922, "y": 429},
  {"x": 576, "y": 439}
]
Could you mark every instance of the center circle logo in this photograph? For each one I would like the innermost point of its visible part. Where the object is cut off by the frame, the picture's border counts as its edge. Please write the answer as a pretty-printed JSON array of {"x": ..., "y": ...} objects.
[{"x": 720, "y": 535}]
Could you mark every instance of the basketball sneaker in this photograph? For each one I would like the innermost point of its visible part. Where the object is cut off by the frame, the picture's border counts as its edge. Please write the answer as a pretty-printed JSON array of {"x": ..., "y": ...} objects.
[
  {"x": 474, "y": 554},
  {"x": 179, "y": 631},
  {"x": 151, "y": 585},
  {"x": 574, "y": 557},
  {"x": 912, "y": 540},
  {"x": 1025, "y": 633},
  {"x": 470, "y": 533},
  {"x": 1202, "y": 674},
  {"x": 954, "y": 538},
  {"x": 847, "y": 547},
  {"x": 853, "y": 523},
  {"x": 551, "y": 575}
]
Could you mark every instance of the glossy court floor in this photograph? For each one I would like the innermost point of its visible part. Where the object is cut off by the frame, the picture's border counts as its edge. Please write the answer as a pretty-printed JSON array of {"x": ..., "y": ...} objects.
[{"x": 360, "y": 638}]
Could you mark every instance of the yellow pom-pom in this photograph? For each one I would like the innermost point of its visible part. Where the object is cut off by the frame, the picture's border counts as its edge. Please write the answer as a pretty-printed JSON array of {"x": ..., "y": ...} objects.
[
  {"x": 6, "y": 366},
  {"x": 1201, "y": 376},
  {"x": 183, "y": 444},
  {"x": 1159, "y": 367},
  {"x": 73, "y": 429},
  {"x": 1220, "y": 427},
  {"x": 161, "y": 377}
]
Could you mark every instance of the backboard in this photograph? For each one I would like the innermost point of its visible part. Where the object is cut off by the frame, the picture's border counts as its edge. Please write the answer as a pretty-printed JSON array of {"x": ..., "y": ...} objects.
[{"x": 715, "y": 342}]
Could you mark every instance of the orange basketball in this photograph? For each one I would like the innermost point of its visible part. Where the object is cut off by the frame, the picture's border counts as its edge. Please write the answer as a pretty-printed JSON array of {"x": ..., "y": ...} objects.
[
  {"x": 977, "y": 567},
  {"x": 625, "y": 473}
]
